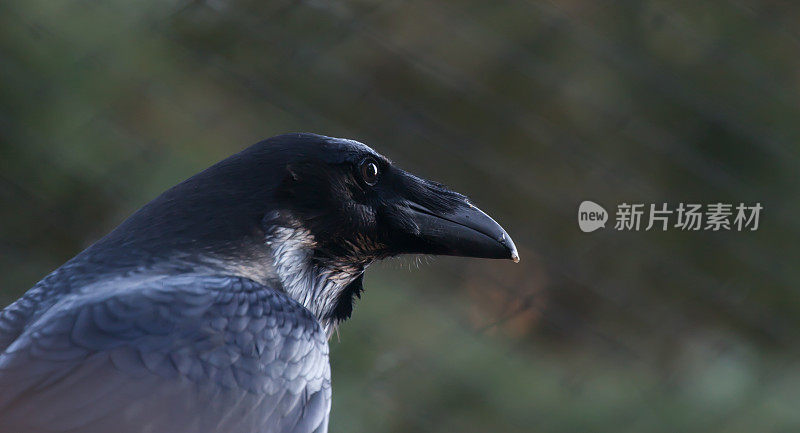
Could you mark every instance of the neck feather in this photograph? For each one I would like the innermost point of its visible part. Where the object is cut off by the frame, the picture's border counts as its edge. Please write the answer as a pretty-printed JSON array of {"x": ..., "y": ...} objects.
[{"x": 318, "y": 287}]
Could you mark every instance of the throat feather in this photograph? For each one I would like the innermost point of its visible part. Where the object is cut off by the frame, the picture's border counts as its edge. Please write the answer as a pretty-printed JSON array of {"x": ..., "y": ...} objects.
[{"x": 324, "y": 289}]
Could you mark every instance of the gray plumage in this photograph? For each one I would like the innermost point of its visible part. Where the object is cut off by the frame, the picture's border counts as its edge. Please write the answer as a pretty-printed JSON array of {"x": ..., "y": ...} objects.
[{"x": 174, "y": 353}]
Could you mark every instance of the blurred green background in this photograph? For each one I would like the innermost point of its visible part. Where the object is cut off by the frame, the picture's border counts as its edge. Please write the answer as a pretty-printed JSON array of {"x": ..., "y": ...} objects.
[{"x": 528, "y": 106}]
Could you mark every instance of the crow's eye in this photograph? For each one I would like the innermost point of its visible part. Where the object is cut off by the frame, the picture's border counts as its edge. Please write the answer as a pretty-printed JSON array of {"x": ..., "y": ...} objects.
[{"x": 369, "y": 171}]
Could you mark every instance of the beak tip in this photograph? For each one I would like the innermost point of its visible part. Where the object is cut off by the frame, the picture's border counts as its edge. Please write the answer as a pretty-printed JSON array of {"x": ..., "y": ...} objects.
[{"x": 512, "y": 249}]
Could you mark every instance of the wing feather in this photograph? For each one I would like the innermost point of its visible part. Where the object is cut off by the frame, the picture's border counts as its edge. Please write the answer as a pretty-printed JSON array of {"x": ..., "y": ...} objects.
[{"x": 179, "y": 354}]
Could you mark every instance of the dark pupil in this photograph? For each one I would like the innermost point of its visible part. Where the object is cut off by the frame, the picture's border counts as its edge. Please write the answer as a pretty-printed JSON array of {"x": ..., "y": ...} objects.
[{"x": 370, "y": 172}]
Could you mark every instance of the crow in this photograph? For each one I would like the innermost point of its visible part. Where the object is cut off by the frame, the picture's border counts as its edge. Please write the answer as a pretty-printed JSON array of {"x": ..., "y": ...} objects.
[{"x": 210, "y": 308}]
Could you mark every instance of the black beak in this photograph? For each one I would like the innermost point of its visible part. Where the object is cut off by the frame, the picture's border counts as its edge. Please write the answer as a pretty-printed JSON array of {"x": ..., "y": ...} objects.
[{"x": 464, "y": 231}]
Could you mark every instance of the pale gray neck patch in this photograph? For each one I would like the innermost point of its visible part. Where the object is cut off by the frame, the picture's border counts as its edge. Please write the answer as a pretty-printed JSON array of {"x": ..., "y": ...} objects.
[{"x": 316, "y": 287}]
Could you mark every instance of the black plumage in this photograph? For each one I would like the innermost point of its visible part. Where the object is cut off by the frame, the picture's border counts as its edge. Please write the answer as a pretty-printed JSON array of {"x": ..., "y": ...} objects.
[{"x": 208, "y": 310}]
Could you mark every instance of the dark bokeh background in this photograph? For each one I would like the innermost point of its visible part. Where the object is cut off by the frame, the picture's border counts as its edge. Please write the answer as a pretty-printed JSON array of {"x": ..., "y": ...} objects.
[{"x": 528, "y": 106}]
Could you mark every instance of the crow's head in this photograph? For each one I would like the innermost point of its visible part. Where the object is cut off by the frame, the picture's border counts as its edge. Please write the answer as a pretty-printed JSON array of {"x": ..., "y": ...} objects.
[
  {"x": 359, "y": 207},
  {"x": 310, "y": 212}
]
